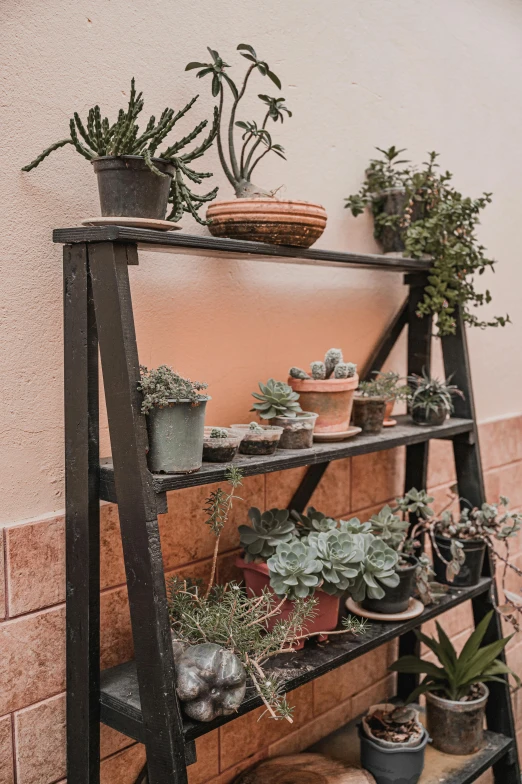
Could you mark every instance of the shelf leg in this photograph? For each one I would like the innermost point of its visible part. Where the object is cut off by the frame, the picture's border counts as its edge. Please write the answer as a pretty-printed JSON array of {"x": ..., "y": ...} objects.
[
  {"x": 163, "y": 728},
  {"x": 82, "y": 520},
  {"x": 306, "y": 489}
]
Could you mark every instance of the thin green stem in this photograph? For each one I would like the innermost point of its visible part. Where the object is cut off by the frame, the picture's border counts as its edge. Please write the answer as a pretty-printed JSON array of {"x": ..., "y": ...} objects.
[
  {"x": 230, "y": 177},
  {"x": 258, "y": 142},
  {"x": 231, "y": 149}
]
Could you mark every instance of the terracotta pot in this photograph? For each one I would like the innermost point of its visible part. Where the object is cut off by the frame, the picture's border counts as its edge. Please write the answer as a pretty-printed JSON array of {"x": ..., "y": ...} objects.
[
  {"x": 295, "y": 223},
  {"x": 388, "y": 412},
  {"x": 256, "y": 576},
  {"x": 331, "y": 399}
]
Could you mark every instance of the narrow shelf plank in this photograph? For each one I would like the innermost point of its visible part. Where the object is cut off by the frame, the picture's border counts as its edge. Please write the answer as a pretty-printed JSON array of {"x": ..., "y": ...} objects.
[
  {"x": 207, "y": 245},
  {"x": 120, "y": 701},
  {"x": 403, "y": 434},
  {"x": 439, "y": 768}
]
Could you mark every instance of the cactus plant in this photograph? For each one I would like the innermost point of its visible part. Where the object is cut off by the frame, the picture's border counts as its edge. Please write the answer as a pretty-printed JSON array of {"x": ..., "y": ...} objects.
[
  {"x": 218, "y": 432},
  {"x": 98, "y": 137},
  {"x": 378, "y": 568},
  {"x": 333, "y": 366},
  {"x": 318, "y": 370},
  {"x": 345, "y": 370},
  {"x": 296, "y": 372},
  {"x": 340, "y": 557},
  {"x": 295, "y": 570},
  {"x": 267, "y": 531},
  {"x": 331, "y": 359},
  {"x": 276, "y": 399},
  {"x": 255, "y": 427}
]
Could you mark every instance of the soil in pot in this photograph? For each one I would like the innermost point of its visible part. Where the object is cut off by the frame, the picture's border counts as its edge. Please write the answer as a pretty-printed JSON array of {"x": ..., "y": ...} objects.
[
  {"x": 368, "y": 413},
  {"x": 470, "y": 571},
  {"x": 457, "y": 727},
  {"x": 298, "y": 432},
  {"x": 255, "y": 442},
  {"x": 393, "y": 202},
  {"x": 402, "y": 765},
  {"x": 176, "y": 437},
  {"x": 128, "y": 188},
  {"x": 256, "y": 576},
  {"x": 433, "y": 417},
  {"x": 331, "y": 399},
  {"x": 295, "y": 223},
  {"x": 397, "y": 599},
  {"x": 222, "y": 449}
]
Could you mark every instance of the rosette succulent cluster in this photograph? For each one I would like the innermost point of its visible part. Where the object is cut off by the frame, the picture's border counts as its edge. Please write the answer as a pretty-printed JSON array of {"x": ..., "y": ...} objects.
[
  {"x": 333, "y": 366},
  {"x": 268, "y": 530},
  {"x": 389, "y": 527},
  {"x": 313, "y": 520},
  {"x": 295, "y": 569},
  {"x": 276, "y": 399},
  {"x": 378, "y": 568},
  {"x": 340, "y": 557}
]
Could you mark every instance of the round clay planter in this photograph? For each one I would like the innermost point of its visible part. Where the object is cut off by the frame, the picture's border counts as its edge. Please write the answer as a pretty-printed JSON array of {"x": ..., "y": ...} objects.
[
  {"x": 397, "y": 599},
  {"x": 402, "y": 765},
  {"x": 432, "y": 418},
  {"x": 456, "y": 727},
  {"x": 470, "y": 571},
  {"x": 331, "y": 399},
  {"x": 128, "y": 188},
  {"x": 294, "y": 223},
  {"x": 368, "y": 413},
  {"x": 298, "y": 431},
  {"x": 255, "y": 443},
  {"x": 176, "y": 437},
  {"x": 393, "y": 202},
  {"x": 220, "y": 450},
  {"x": 257, "y": 579}
]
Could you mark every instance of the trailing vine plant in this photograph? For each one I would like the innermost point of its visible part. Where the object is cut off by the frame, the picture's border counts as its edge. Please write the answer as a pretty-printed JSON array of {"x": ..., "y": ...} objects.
[
  {"x": 239, "y": 163},
  {"x": 98, "y": 137},
  {"x": 435, "y": 220}
]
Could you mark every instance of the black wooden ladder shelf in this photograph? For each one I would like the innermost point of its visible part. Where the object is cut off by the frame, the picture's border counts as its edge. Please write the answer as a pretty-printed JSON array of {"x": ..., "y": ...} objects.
[{"x": 137, "y": 698}]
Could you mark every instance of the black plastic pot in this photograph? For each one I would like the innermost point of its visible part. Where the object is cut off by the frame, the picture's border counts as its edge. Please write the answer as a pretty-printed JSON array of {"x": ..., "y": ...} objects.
[
  {"x": 393, "y": 202},
  {"x": 128, "y": 188},
  {"x": 393, "y": 766},
  {"x": 471, "y": 569},
  {"x": 368, "y": 413},
  {"x": 456, "y": 727},
  {"x": 396, "y": 600},
  {"x": 433, "y": 417}
]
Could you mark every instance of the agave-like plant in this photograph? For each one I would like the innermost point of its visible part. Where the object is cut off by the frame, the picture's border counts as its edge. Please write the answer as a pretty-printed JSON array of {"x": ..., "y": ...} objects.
[
  {"x": 295, "y": 570},
  {"x": 268, "y": 529},
  {"x": 378, "y": 568},
  {"x": 341, "y": 559},
  {"x": 276, "y": 399}
]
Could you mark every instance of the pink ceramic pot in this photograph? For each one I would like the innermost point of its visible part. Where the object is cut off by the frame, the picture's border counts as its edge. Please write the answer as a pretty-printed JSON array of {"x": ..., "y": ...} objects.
[{"x": 331, "y": 399}]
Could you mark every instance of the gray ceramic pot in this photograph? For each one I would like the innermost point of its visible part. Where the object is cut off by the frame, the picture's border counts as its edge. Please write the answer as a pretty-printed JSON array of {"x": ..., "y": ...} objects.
[
  {"x": 176, "y": 437},
  {"x": 128, "y": 188},
  {"x": 393, "y": 766},
  {"x": 456, "y": 727}
]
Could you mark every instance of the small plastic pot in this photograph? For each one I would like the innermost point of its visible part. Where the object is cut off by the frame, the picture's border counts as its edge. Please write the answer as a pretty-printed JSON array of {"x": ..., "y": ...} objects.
[
  {"x": 397, "y": 599},
  {"x": 220, "y": 450},
  {"x": 331, "y": 399},
  {"x": 456, "y": 727},
  {"x": 298, "y": 432},
  {"x": 368, "y": 413},
  {"x": 402, "y": 765},
  {"x": 255, "y": 443},
  {"x": 128, "y": 188},
  {"x": 433, "y": 417},
  {"x": 176, "y": 437},
  {"x": 470, "y": 571}
]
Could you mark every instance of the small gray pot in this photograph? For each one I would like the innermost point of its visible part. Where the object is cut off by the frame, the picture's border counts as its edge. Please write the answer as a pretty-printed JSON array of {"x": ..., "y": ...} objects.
[
  {"x": 128, "y": 188},
  {"x": 456, "y": 727},
  {"x": 403, "y": 765},
  {"x": 176, "y": 437}
]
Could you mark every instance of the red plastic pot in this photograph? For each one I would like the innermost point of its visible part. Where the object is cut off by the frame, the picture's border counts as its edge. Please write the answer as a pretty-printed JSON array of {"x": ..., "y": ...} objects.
[{"x": 257, "y": 578}]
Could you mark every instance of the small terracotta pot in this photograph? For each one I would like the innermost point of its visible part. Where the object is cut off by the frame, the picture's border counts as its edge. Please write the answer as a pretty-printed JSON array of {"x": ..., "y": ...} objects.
[
  {"x": 388, "y": 412},
  {"x": 295, "y": 223},
  {"x": 331, "y": 399},
  {"x": 368, "y": 413},
  {"x": 256, "y": 576}
]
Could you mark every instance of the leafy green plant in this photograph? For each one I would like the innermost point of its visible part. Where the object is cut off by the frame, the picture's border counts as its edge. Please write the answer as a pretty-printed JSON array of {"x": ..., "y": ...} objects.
[
  {"x": 268, "y": 529},
  {"x": 276, "y": 399},
  {"x": 434, "y": 220},
  {"x": 432, "y": 394},
  {"x": 385, "y": 385},
  {"x": 333, "y": 366},
  {"x": 457, "y": 674},
  {"x": 98, "y": 137},
  {"x": 162, "y": 385},
  {"x": 257, "y": 140}
]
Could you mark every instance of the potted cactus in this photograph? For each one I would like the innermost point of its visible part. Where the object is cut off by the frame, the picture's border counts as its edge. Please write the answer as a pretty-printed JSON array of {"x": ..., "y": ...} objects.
[
  {"x": 327, "y": 391},
  {"x": 258, "y": 439},
  {"x": 278, "y": 403},
  {"x": 393, "y": 743},
  {"x": 175, "y": 410},
  {"x": 220, "y": 445},
  {"x": 134, "y": 179},
  {"x": 256, "y": 214},
  {"x": 431, "y": 399}
]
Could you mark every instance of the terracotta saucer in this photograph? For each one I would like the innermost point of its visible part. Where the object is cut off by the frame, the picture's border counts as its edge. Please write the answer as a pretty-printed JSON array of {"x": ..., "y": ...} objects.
[
  {"x": 389, "y": 423},
  {"x": 341, "y": 436},
  {"x": 415, "y": 608},
  {"x": 134, "y": 223}
]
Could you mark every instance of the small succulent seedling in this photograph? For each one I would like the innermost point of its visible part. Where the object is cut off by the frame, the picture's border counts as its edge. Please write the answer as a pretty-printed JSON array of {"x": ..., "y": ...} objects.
[
  {"x": 255, "y": 427},
  {"x": 218, "y": 432}
]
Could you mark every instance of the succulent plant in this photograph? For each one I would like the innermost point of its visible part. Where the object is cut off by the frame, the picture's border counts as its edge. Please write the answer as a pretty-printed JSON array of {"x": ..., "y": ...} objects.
[
  {"x": 389, "y": 527},
  {"x": 255, "y": 427},
  {"x": 345, "y": 370},
  {"x": 416, "y": 502},
  {"x": 296, "y": 372},
  {"x": 386, "y": 385},
  {"x": 276, "y": 399},
  {"x": 162, "y": 385},
  {"x": 354, "y": 526},
  {"x": 268, "y": 529},
  {"x": 340, "y": 557},
  {"x": 313, "y": 520},
  {"x": 378, "y": 568},
  {"x": 218, "y": 432},
  {"x": 432, "y": 394},
  {"x": 318, "y": 370},
  {"x": 295, "y": 570},
  {"x": 331, "y": 359}
]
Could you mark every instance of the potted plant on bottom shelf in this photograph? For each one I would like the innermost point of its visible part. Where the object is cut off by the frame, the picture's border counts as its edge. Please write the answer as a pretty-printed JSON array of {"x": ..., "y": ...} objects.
[
  {"x": 431, "y": 402},
  {"x": 277, "y": 403},
  {"x": 175, "y": 410},
  {"x": 327, "y": 391},
  {"x": 393, "y": 743},
  {"x": 255, "y": 214},
  {"x": 455, "y": 689},
  {"x": 134, "y": 179}
]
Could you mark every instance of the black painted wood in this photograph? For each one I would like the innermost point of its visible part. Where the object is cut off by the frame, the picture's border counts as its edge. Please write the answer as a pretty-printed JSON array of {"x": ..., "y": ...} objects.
[
  {"x": 82, "y": 520},
  {"x": 307, "y": 487},
  {"x": 120, "y": 698},
  {"x": 184, "y": 243},
  {"x": 388, "y": 340},
  {"x": 137, "y": 511},
  {"x": 404, "y": 433}
]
